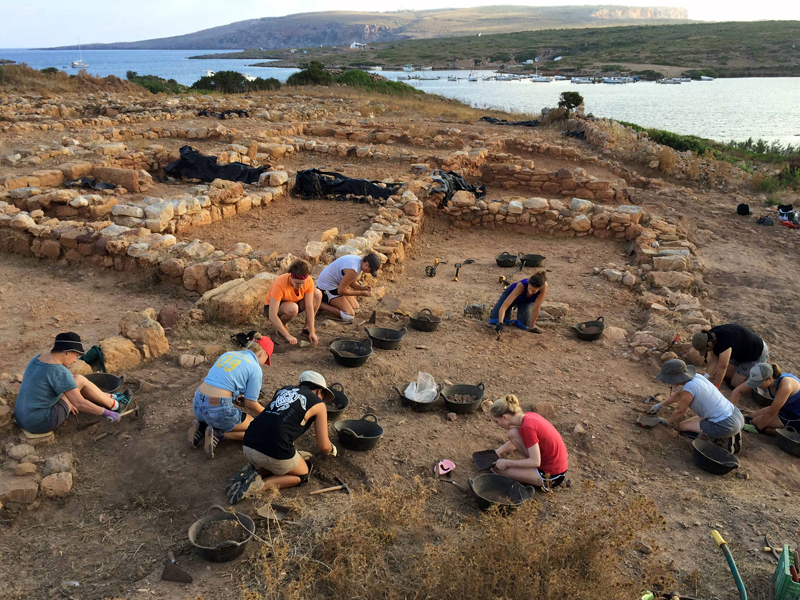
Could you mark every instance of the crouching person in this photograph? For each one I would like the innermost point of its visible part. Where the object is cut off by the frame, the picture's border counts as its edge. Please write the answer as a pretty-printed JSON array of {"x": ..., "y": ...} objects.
[
  {"x": 234, "y": 374},
  {"x": 545, "y": 458},
  {"x": 268, "y": 443},
  {"x": 714, "y": 414},
  {"x": 50, "y": 392}
]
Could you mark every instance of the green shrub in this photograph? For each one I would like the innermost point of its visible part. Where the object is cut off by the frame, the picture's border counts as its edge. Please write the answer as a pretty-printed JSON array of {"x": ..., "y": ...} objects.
[
  {"x": 570, "y": 100},
  {"x": 49, "y": 70},
  {"x": 648, "y": 75},
  {"x": 501, "y": 57},
  {"x": 233, "y": 82},
  {"x": 361, "y": 79},
  {"x": 313, "y": 73},
  {"x": 155, "y": 84}
]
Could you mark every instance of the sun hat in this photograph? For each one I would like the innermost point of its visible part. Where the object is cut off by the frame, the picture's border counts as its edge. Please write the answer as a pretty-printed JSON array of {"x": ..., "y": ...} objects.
[
  {"x": 319, "y": 381},
  {"x": 700, "y": 341},
  {"x": 269, "y": 347},
  {"x": 68, "y": 342},
  {"x": 374, "y": 262},
  {"x": 676, "y": 371},
  {"x": 759, "y": 374}
]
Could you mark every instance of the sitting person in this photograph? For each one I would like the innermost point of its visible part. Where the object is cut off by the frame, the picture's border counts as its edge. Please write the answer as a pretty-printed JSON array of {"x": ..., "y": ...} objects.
[
  {"x": 783, "y": 388},
  {"x": 526, "y": 296},
  {"x": 233, "y": 375},
  {"x": 545, "y": 459},
  {"x": 714, "y": 414},
  {"x": 49, "y": 392},
  {"x": 730, "y": 351},
  {"x": 339, "y": 287},
  {"x": 268, "y": 443},
  {"x": 291, "y": 294}
]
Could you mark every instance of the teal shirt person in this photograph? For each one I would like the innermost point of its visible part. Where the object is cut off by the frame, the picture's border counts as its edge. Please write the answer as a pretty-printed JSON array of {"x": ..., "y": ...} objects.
[
  {"x": 41, "y": 389},
  {"x": 238, "y": 372}
]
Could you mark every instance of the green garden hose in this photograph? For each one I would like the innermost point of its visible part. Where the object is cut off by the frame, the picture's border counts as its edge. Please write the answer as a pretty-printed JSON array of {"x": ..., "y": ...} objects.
[{"x": 734, "y": 571}]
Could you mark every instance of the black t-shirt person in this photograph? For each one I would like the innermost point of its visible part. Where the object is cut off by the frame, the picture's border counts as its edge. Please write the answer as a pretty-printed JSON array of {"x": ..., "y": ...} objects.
[
  {"x": 746, "y": 345},
  {"x": 274, "y": 431}
]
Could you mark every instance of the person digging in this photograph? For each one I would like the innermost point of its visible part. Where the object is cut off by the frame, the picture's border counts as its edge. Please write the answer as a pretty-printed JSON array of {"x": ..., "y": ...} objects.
[
  {"x": 289, "y": 295},
  {"x": 268, "y": 443},
  {"x": 783, "y": 388},
  {"x": 526, "y": 296},
  {"x": 50, "y": 392},
  {"x": 714, "y": 416},
  {"x": 730, "y": 351},
  {"x": 339, "y": 287},
  {"x": 234, "y": 374}
]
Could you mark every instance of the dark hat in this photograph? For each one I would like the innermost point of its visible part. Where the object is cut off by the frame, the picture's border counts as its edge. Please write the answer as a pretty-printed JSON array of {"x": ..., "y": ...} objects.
[
  {"x": 675, "y": 371},
  {"x": 68, "y": 342},
  {"x": 374, "y": 262}
]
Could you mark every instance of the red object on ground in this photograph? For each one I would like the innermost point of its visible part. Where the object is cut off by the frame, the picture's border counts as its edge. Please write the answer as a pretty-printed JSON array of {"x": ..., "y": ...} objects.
[{"x": 793, "y": 571}]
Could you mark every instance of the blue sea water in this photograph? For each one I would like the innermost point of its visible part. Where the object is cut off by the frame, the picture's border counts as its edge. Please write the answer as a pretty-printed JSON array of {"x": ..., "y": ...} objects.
[{"x": 724, "y": 110}]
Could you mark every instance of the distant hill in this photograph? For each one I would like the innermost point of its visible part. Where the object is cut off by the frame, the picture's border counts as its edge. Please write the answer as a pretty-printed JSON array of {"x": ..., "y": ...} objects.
[{"x": 336, "y": 28}]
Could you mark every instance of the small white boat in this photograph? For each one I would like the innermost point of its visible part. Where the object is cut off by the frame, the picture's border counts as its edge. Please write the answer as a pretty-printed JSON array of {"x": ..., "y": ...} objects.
[
  {"x": 581, "y": 80},
  {"x": 79, "y": 64},
  {"x": 429, "y": 77},
  {"x": 670, "y": 81},
  {"x": 560, "y": 78},
  {"x": 540, "y": 79},
  {"x": 614, "y": 80},
  {"x": 706, "y": 78},
  {"x": 473, "y": 77},
  {"x": 452, "y": 78},
  {"x": 684, "y": 79},
  {"x": 208, "y": 73},
  {"x": 426, "y": 69},
  {"x": 409, "y": 68},
  {"x": 377, "y": 69}
]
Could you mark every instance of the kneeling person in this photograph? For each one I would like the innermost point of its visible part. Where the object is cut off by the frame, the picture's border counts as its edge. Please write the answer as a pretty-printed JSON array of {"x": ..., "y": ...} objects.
[
  {"x": 269, "y": 440},
  {"x": 50, "y": 392},
  {"x": 289, "y": 295},
  {"x": 339, "y": 287},
  {"x": 783, "y": 388}
]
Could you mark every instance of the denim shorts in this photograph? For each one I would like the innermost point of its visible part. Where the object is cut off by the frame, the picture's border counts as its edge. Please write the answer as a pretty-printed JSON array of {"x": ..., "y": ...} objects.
[
  {"x": 224, "y": 417},
  {"x": 726, "y": 428}
]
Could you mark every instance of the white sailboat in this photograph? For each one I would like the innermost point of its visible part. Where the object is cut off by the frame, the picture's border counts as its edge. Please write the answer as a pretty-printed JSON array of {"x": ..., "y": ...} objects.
[
  {"x": 452, "y": 78},
  {"x": 670, "y": 81},
  {"x": 472, "y": 77},
  {"x": 581, "y": 80},
  {"x": 539, "y": 78},
  {"x": 706, "y": 78},
  {"x": 409, "y": 68},
  {"x": 208, "y": 73},
  {"x": 79, "y": 64}
]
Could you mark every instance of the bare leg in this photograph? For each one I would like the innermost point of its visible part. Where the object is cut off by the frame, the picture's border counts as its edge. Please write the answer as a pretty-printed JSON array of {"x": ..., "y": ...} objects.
[
  {"x": 340, "y": 303},
  {"x": 515, "y": 438},
  {"x": 529, "y": 476},
  {"x": 691, "y": 424},
  {"x": 237, "y": 433},
  {"x": 768, "y": 427},
  {"x": 287, "y": 311},
  {"x": 290, "y": 479},
  {"x": 351, "y": 300},
  {"x": 737, "y": 380},
  {"x": 92, "y": 393}
]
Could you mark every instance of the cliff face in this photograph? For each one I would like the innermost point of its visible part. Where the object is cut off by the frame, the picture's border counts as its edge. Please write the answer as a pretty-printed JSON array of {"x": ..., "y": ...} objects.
[{"x": 635, "y": 13}]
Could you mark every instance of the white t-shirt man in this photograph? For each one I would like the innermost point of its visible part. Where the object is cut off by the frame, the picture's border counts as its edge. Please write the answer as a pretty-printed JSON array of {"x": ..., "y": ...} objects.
[
  {"x": 707, "y": 401},
  {"x": 330, "y": 278}
]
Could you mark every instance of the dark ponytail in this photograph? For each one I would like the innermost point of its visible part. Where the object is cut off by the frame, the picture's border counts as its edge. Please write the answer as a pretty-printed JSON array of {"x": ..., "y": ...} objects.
[{"x": 538, "y": 279}]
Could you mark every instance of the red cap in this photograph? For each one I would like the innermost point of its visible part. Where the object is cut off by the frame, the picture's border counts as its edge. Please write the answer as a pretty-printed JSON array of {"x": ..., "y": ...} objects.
[{"x": 269, "y": 346}]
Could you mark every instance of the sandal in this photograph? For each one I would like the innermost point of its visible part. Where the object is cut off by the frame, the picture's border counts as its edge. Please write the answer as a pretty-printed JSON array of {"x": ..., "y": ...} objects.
[
  {"x": 123, "y": 398},
  {"x": 306, "y": 334}
]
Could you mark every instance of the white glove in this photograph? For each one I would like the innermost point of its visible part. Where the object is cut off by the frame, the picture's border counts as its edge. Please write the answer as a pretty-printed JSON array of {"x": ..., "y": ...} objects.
[{"x": 333, "y": 451}]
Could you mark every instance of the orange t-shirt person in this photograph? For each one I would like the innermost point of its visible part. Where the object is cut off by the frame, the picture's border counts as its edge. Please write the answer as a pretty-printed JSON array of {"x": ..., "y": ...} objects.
[{"x": 290, "y": 294}]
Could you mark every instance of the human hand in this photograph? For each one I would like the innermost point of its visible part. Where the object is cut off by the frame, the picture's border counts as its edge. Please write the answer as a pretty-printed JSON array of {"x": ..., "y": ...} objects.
[
  {"x": 502, "y": 464},
  {"x": 663, "y": 421},
  {"x": 72, "y": 409},
  {"x": 367, "y": 292},
  {"x": 313, "y": 337},
  {"x": 111, "y": 415},
  {"x": 499, "y": 328},
  {"x": 654, "y": 409},
  {"x": 292, "y": 340}
]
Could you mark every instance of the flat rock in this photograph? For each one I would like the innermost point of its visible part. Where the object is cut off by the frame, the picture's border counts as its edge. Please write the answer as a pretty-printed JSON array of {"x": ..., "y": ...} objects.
[
  {"x": 59, "y": 463},
  {"x": 57, "y": 485},
  {"x": 19, "y": 490}
]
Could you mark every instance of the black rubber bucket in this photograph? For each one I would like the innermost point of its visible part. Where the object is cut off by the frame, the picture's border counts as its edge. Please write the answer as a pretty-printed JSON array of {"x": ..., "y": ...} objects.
[
  {"x": 506, "y": 259},
  {"x": 531, "y": 260},
  {"x": 224, "y": 551},
  {"x": 359, "y": 434},
  {"x": 385, "y": 338},
  {"x": 418, "y": 406},
  {"x": 788, "y": 440},
  {"x": 107, "y": 382},
  {"x": 424, "y": 320},
  {"x": 491, "y": 489},
  {"x": 351, "y": 353},
  {"x": 339, "y": 403},
  {"x": 590, "y": 331},
  {"x": 713, "y": 459},
  {"x": 463, "y": 390}
]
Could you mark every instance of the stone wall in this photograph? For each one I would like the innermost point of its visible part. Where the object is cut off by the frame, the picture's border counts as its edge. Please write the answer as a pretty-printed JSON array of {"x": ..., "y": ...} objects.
[{"x": 551, "y": 183}]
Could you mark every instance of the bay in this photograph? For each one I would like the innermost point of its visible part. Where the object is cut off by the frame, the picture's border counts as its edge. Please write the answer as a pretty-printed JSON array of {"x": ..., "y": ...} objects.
[{"x": 723, "y": 110}]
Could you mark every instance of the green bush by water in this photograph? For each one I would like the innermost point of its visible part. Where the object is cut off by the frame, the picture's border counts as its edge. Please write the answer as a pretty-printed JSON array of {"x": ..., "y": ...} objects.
[{"x": 233, "y": 82}]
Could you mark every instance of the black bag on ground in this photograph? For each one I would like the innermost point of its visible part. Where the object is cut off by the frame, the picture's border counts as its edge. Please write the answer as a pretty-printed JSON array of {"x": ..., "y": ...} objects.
[
  {"x": 88, "y": 183},
  {"x": 765, "y": 221},
  {"x": 743, "y": 209},
  {"x": 450, "y": 183},
  {"x": 193, "y": 165},
  {"x": 242, "y": 339},
  {"x": 496, "y": 121},
  {"x": 313, "y": 183}
]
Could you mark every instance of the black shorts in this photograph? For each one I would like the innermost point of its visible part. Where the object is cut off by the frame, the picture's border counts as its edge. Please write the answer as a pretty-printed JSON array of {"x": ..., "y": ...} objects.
[
  {"x": 790, "y": 420},
  {"x": 328, "y": 295},
  {"x": 554, "y": 481}
]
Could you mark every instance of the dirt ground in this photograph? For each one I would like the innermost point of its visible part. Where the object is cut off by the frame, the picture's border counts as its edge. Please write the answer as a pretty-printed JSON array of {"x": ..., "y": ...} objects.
[{"x": 140, "y": 488}]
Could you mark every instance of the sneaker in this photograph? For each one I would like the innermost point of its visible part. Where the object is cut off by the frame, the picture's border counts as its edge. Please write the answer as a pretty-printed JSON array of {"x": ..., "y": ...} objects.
[
  {"x": 123, "y": 398},
  {"x": 211, "y": 439},
  {"x": 346, "y": 317},
  {"x": 733, "y": 444},
  {"x": 196, "y": 433},
  {"x": 235, "y": 482},
  {"x": 508, "y": 321},
  {"x": 535, "y": 329},
  {"x": 247, "y": 481}
]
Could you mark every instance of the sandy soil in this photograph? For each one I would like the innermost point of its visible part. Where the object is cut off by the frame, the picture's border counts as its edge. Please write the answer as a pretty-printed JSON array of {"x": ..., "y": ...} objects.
[{"x": 139, "y": 489}]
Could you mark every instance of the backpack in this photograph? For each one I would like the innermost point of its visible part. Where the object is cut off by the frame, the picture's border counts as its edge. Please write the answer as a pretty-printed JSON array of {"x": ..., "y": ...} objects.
[
  {"x": 743, "y": 209},
  {"x": 242, "y": 339}
]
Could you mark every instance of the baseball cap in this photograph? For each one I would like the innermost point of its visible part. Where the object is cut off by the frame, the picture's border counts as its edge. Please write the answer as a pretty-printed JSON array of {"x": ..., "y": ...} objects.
[
  {"x": 319, "y": 381},
  {"x": 374, "y": 262},
  {"x": 269, "y": 347},
  {"x": 759, "y": 374},
  {"x": 700, "y": 341}
]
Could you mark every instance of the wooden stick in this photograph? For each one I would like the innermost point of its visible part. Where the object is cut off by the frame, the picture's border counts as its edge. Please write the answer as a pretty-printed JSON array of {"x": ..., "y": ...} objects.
[{"x": 330, "y": 489}]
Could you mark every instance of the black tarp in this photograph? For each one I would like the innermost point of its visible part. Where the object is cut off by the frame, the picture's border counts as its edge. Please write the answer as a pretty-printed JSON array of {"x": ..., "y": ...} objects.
[
  {"x": 496, "y": 121},
  {"x": 450, "y": 183},
  {"x": 313, "y": 183},
  {"x": 90, "y": 184},
  {"x": 225, "y": 114},
  {"x": 193, "y": 165}
]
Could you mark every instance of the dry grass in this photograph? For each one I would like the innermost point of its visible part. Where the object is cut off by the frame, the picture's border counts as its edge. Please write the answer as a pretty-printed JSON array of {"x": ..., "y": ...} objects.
[
  {"x": 391, "y": 543},
  {"x": 667, "y": 161},
  {"x": 24, "y": 78}
]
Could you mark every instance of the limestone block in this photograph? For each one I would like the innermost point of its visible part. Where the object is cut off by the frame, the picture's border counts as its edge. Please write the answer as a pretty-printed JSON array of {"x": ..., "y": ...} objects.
[
  {"x": 581, "y": 223},
  {"x": 670, "y": 279},
  {"x": 142, "y": 327},
  {"x": 119, "y": 354},
  {"x": 515, "y": 207},
  {"x": 17, "y": 490},
  {"x": 462, "y": 199},
  {"x": 57, "y": 485},
  {"x": 580, "y": 206}
]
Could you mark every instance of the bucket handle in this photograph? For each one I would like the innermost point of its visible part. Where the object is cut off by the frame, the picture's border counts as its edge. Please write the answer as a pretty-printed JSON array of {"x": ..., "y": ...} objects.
[
  {"x": 791, "y": 429},
  {"x": 337, "y": 386},
  {"x": 374, "y": 418},
  {"x": 397, "y": 389},
  {"x": 530, "y": 491},
  {"x": 600, "y": 319},
  {"x": 482, "y": 386},
  {"x": 471, "y": 489},
  {"x": 506, "y": 253},
  {"x": 350, "y": 431}
]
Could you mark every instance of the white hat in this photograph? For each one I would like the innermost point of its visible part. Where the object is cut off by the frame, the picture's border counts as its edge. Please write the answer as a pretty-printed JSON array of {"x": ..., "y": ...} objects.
[{"x": 319, "y": 381}]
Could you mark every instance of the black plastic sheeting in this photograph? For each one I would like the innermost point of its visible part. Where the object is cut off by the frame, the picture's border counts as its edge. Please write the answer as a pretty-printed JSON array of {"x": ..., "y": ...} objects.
[
  {"x": 496, "y": 121},
  {"x": 90, "y": 184},
  {"x": 225, "y": 114},
  {"x": 578, "y": 135},
  {"x": 313, "y": 183},
  {"x": 450, "y": 183},
  {"x": 193, "y": 165}
]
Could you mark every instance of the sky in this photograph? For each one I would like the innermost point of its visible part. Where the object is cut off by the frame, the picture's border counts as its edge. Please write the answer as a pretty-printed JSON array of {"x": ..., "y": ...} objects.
[{"x": 47, "y": 23}]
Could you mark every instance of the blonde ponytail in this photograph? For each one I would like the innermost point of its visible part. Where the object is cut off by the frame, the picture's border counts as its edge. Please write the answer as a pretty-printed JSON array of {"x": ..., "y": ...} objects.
[
  {"x": 253, "y": 346},
  {"x": 505, "y": 406}
]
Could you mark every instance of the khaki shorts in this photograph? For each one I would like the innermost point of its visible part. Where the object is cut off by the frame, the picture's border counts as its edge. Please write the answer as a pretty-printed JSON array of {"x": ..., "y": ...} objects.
[{"x": 273, "y": 465}]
